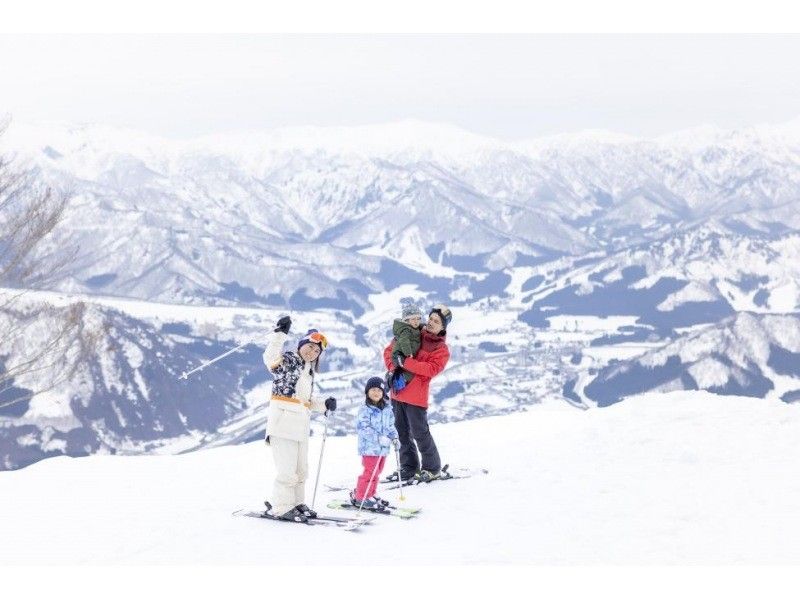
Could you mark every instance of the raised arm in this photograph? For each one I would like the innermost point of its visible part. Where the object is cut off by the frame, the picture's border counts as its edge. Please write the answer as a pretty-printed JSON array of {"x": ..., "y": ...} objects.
[{"x": 273, "y": 355}]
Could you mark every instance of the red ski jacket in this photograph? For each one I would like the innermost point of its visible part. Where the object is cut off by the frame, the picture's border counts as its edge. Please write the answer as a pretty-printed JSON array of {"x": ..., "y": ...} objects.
[{"x": 429, "y": 361}]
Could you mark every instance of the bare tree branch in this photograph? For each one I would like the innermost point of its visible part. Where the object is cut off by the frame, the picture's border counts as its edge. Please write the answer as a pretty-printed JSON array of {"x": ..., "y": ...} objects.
[{"x": 29, "y": 213}]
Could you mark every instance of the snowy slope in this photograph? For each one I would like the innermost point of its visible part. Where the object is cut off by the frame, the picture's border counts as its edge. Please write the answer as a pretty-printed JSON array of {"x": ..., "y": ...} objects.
[{"x": 683, "y": 478}]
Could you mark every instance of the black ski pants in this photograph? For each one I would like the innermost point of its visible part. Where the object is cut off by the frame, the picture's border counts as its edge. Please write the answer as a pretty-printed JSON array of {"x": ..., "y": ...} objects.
[{"x": 415, "y": 438}]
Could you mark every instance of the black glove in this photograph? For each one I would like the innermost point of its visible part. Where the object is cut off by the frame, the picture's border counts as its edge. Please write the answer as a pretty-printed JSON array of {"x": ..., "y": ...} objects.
[
  {"x": 284, "y": 324},
  {"x": 398, "y": 360},
  {"x": 330, "y": 404}
]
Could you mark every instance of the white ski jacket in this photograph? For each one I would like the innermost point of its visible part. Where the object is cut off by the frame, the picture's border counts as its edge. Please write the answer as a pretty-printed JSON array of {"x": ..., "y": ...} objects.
[{"x": 289, "y": 414}]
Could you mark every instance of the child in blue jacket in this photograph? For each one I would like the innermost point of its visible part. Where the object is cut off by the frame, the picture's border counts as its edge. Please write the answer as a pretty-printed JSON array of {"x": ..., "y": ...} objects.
[{"x": 376, "y": 434}]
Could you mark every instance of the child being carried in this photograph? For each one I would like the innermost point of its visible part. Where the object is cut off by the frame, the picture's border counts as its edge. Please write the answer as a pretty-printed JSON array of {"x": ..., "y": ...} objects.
[{"x": 406, "y": 332}]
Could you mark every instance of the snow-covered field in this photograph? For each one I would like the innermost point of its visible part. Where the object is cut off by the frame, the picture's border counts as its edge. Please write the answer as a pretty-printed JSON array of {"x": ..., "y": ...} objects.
[{"x": 678, "y": 478}]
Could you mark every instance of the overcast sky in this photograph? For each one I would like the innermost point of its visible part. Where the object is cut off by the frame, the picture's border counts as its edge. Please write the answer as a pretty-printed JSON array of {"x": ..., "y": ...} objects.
[{"x": 509, "y": 87}]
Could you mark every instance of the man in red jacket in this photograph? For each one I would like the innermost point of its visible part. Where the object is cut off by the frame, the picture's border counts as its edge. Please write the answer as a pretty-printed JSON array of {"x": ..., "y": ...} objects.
[{"x": 410, "y": 405}]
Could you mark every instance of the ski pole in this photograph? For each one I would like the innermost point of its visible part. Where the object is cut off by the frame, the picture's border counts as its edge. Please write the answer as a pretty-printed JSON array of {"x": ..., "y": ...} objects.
[
  {"x": 185, "y": 375},
  {"x": 319, "y": 465},
  {"x": 369, "y": 484},
  {"x": 399, "y": 473}
]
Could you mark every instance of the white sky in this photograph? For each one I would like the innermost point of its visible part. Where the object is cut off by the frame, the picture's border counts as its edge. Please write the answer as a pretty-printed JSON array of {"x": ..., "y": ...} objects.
[{"x": 507, "y": 86}]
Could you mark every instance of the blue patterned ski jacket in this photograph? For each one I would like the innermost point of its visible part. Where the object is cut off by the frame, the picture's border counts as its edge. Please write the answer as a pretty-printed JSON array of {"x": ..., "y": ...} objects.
[{"x": 375, "y": 429}]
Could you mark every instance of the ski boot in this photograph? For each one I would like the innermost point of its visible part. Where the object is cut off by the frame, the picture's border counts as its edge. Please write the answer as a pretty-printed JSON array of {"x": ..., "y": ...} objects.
[
  {"x": 291, "y": 515},
  {"x": 306, "y": 511},
  {"x": 407, "y": 475},
  {"x": 294, "y": 515},
  {"x": 426, "y": 477},
  {"x": 369, "y": 504}
]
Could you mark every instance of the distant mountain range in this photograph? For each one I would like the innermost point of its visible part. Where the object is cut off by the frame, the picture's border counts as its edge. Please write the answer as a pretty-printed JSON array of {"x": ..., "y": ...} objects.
[{"x": 322, "y": 217}]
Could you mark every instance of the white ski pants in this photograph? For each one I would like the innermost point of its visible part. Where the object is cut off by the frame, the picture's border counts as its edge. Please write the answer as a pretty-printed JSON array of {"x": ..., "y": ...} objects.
[{"x": 291, "y": 466}]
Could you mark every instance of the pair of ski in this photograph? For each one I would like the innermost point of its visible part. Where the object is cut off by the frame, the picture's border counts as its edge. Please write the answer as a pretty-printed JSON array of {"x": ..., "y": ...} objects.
[
  {"x": 457, "y": 473},
  {"x": 401, "y": 512},
  {"x": 350, "y": 524},
  {"x": 446, "y": 473}
]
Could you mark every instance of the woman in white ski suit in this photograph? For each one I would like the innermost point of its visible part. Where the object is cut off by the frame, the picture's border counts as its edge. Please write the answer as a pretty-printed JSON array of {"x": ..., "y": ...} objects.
[{"x": 289, "y": 416}]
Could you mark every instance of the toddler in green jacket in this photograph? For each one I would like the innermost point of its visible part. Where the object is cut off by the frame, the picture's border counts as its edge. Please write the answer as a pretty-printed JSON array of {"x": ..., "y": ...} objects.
[{"x": 406, "y": 332}]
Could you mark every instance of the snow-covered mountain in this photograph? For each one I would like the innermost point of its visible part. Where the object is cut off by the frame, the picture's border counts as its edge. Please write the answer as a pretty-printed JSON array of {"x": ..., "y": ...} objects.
[
  {"x": 569, "y": 261},
  {"x": 110, "y": 386},
  {"x": 313, "y": 217},
  {"x": 747, "y": 354},
  {"x": 692, "y": 277}
]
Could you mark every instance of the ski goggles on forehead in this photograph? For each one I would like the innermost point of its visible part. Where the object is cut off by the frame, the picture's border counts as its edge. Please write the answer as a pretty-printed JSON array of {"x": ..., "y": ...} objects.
[{"x": 318, "y": 337}]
